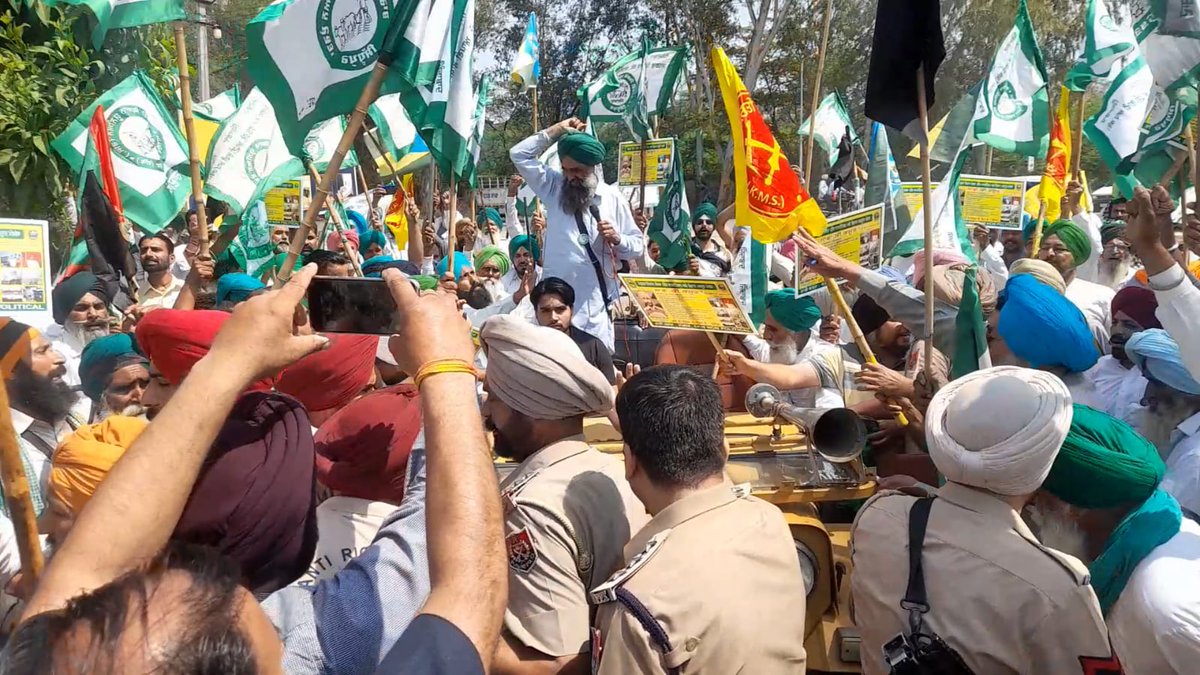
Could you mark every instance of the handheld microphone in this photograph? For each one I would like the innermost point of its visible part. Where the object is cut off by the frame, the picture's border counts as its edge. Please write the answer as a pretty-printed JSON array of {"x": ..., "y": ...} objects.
[{"x": 595, "y": 211}]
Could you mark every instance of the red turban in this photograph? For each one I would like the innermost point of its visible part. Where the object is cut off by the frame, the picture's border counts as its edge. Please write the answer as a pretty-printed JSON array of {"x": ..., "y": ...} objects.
[
  {"x": 175, "y": 339},
  {"x": 362, "y": 451},
  {"x": 332, "y": 377},
  {"x": 1139, "y": 304}
]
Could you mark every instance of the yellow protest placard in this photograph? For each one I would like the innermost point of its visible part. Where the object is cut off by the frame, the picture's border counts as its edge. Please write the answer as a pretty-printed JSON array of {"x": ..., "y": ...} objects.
[
  {"x": 688, "y": 303},
  {"x": 658, "y": 162},
  {"x": 285, "y": 203},
  {"x": 914, "y": 196},
  {"x": 856, "y": 236},
  {"x": 992, "y": 202},
  {"x": 24, "y": 270}
]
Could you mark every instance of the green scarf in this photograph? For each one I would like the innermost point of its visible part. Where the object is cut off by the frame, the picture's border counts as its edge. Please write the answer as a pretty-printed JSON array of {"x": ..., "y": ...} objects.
[{"x": 1151, "y": 525}]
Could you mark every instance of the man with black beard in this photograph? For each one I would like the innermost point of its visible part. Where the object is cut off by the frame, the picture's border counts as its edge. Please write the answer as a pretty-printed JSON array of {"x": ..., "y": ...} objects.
[
  {"x": 589, "y": 226},
  {"x": 39, "y": 401},
  {"x": 1118, "y": 384},
  {"x": 160, "y": 288},
  {"x": 568, "y": 510},
  {"x": 709, "y": 258}
]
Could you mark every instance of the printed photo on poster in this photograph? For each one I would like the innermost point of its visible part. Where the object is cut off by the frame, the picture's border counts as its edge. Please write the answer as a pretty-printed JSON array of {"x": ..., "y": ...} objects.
[
  {"x": 658, "y": 162},
  {"x": 688, "y": 303},
  {"x": 286, "y": 203},
  {"x": 996, "y": 203},
  {"x": 24, "y": 277},
  {"x": 856, "y": 236}
]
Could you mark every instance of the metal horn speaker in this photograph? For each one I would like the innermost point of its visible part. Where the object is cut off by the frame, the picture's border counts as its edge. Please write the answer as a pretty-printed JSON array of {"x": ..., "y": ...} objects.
[{"x": 837, "y": 433}]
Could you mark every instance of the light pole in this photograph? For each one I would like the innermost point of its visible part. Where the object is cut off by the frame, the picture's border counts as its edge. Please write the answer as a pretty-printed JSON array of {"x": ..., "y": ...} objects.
[{"x": 203, "y": 25}]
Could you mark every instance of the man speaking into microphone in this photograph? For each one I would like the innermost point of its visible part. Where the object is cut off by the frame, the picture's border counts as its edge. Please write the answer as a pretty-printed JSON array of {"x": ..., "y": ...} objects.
[{"x": 589, "y": 227}]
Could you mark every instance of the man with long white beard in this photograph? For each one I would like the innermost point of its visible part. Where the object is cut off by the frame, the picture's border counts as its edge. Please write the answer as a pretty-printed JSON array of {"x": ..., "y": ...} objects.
[
  {"x": 114, "y": 375},
  {"x": 810, "y": 372},
  {"x": 1103, "y": 503},
  {"x": 1115, "y": 266},
  {"x": 39, "y": 402},
  {"x": 81, "y": 312},
  {"x": 1172, "y": 401},
  {"x": 589, "y": 226}
]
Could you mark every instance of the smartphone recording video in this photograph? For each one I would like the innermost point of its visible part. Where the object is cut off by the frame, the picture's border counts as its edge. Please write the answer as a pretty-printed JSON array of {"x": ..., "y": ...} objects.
[{"x": 350, "y": 305}]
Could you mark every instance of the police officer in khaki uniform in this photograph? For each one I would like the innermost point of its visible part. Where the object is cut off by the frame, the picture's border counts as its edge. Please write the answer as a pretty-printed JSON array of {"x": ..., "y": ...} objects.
[
  {"x": 568, "y": 510},
  {"x": 713, "y": 582},
  {"x": 1002, "y": 600}
]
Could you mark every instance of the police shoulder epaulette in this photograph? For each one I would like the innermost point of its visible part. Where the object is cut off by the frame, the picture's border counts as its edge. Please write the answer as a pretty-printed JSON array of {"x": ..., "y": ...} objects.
[
  {"x": 510, "y": 492},
  {"x": 606, "y": 592},
  {"x": 742, "y": 490}
]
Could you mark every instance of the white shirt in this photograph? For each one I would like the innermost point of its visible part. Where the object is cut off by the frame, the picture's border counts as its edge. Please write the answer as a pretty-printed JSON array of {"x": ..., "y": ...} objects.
[
  {"x": 1182, "y": 478},
  {"x": 993, "y": 261},
  {"x": 345, "y": 527},
  {"x": 150, "y": 297},
  {"x": 563, "y": 254},
  {"x": 1119, "y": 390},
  {"x": 1083, "y": 390},
  {"x": 1090, "y": 223},
  {"x": 1179, "y": 313},
  {"x": 1155, "y": 624},
  {"x": 826, "y": 396},
  {"x": 1095, "y": 301},
  {"x": 181, "y": 266}
]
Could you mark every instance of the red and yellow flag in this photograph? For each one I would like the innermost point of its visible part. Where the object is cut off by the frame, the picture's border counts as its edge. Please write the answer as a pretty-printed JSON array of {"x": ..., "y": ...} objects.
[
  {"x": 395, "y": 218},
  {"x": 1058, "y": 159},
  {"x": 770, "y": 199}
]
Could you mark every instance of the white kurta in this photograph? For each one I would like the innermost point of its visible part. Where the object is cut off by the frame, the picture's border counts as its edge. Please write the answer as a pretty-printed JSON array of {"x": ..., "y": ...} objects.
[
  {"x": 1119, "y": 390},
  {"x": 821, "y": 355},
  {"x": 1155, "y": 624},
  {"x": 1179, "y": 312},
  {"x": 1182, "y": 478},
  {"x": 1095, "y": 301},
  {"x": 564, "y": 254},
  {"x": 1090, "y": 223}
]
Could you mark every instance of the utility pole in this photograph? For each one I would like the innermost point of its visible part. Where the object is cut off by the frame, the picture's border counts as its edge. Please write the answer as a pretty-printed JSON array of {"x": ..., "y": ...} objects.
[{"x": 202, "y": 49}]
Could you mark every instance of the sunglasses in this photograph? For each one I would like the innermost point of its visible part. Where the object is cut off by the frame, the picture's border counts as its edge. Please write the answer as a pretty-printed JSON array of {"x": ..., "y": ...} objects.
[{"x": 704, "y": 221}]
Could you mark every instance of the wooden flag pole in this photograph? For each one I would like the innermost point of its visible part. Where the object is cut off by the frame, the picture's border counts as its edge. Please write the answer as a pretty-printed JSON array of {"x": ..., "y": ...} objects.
[
  {"x": 1077, "y": 150},
  {"x": 927, "y": 197},
  {"x": 362, "y": 178},
  {"x": 337, "y": 221},
  {"x": 1037, "y": 230},
  {"x": 17, "y": 496},
  {"x": 369, "y": 94},
  {"x": 812, "y": 106},
  {"x": 452, "y": 223},
  {"x": 1191, "y": 143},
  {"x": 533, "y": 102},
  {"x": 189, "y": 126},
  {"x": 642, "y": 179}
]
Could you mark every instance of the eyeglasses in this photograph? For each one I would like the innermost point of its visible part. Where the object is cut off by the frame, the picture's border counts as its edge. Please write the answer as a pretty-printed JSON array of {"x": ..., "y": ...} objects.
[{"x": 704, "y": 221}]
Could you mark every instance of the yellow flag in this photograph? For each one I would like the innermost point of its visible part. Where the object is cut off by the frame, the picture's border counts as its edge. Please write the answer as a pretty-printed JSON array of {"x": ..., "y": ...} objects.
[
  {"x": 936, "y": 131},
  {"x": 396, "y": 219},
  {"x": 1058, "y": 159},
  {"x": 770, "y": 199}
]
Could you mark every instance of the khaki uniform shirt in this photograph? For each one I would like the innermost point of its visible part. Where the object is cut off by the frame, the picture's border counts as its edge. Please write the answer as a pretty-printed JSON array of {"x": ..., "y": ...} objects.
[
  {"x": 1002, "y": 600},
  {"x": 712, "y": 585},
  {"x": 568, "y": 513}
]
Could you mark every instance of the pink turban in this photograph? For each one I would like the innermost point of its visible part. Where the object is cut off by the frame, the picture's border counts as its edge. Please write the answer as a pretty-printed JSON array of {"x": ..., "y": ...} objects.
[{"x": 941, "y": 256}]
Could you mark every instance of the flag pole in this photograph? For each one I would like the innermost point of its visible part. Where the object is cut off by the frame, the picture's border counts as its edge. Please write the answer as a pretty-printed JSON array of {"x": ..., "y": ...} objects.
[
  {"x": 387, "y": 156},
  {"x": 185, "y": 97},
  {"x": 927, "y": 201},
  {"x": 1191, "y": 143},
  {"x": 17, "y": 496},
  {"x": 642, "y": 179},
  {"x": 533, "y": 103},
  {"x": 1077, "y": 151},
  {"x": 337, "y": 221},
  {"x": 812, "y": 106},
  {"x": 452, "y": 226},
  {"x": 369, "y": 94},
  {"x": 1037, "y": 229}
]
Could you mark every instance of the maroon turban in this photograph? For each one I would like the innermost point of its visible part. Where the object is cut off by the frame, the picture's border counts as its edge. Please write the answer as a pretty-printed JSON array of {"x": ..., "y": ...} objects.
[
  {"x": 255, "y": 498},
  {"x": 1139, "y": 304},
  {"x": 175, "y": 339},
  {"x": 332, "y": 377},
  {"x": 362, "y": 451}
]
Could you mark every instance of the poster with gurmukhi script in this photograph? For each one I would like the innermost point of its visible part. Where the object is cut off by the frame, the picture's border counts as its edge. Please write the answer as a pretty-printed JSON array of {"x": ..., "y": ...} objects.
[
  {"x": 688, "y": 303},
  {"x": 996, "y": 203},
  {"x": 24, "y": 275},
  {"x": 658, "y": 162},
  {"x": 856, "y": 236}
]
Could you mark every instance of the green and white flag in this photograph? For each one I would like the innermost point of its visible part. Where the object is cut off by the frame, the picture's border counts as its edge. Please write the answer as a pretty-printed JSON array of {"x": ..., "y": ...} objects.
[
  {"x": 1177, "y": 17},
  {"x": 671, "y": 225},
  {"x": 1012, "y": 113},
  {"x": 419, "y": 51},
  {"x": 323, "y": 140},
  {"x": 1174, "y": 60},
  {"x": 637, "y": 112},
  {"x": 252, "y": 247},
  {"x": 970, "y": 331},
  {"x": 448, "y": 119},
  {"x": 112, "y": 14},
  {"x": 247, "y": 155},
  {"x": 829, "y": 124},
  {"x": 949, "y": 228},
  {"x": 147, "y": 148},
  {"x": 1116, "y": 129},
  {"x": 312, "y": 58},
  {"x": 606, "y": 99},
  {"x": 1162, "y": 143},
  {"x": 219, "y": 107},
  {"x": 958, "y": 128},
  {"x": 1105, "y": 47},
  {"x": 396, "y": 130},
  {"x": 476, "y": 145}
]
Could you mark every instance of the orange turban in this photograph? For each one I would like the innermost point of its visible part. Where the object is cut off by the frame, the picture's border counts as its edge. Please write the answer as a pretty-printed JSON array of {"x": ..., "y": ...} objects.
[{"x": 86, "y": 456}]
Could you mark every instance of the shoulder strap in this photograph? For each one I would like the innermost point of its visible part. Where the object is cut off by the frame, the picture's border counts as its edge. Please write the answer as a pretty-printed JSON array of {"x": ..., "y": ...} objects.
[
  {"x": 915, "y": 600},
  {"x": 585, "y": 241}
]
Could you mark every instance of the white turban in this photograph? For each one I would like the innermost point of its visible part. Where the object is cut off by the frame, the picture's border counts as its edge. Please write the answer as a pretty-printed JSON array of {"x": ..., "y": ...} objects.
[
  {"x": 540, "y": 372},
  {"x": 999, "y": 429}
]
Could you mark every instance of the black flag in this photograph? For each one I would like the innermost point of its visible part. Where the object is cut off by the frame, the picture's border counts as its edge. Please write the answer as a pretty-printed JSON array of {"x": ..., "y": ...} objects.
[
  {"x": 107, "y": 248},
  {"x": 908, "y": 35},
  {"x": 843, "y": 167}
]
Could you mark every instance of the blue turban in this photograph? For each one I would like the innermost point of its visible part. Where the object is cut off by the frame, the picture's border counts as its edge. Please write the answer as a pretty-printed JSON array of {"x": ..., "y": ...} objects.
[
  {"x": 71, "y": 290},
  {"x": 1157, "y": 355},
  {"x": 462, "y": 264},
  {"x": 492, "y": 215},
  {"x": 101, "y": 358},
  {"x": 236, "y": 287},
  {"x": 358, "y": 220},
  {"x": 708, "y": 210},
  {"x": 1044, "y": 328},
  {"x": 793, "y": 313},
  {"x": 369, "y": 237},
  {"x": 1028, "y": 225},
  {"x": 524, "y": 241},
  {"x": 581, "y": 147}
]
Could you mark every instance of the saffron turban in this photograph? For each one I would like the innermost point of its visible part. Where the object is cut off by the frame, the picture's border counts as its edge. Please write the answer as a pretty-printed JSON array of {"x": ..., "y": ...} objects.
[
  {"x": 1157, "y": 355},
  {"x": 796, "y": 314},
  {"x": 1040, "y": 270},
  {"x": 581, "y": 147},
  {"x": 237, "y": 287},
  {"x": 334, "y": 376},
  {"x": 1072, "y": 236},
  {"x": 1104, "y": 463},
  {"x": 527, "y": 242},
  {"x": 1138, "y": 304},
  {"x": 175, "y": 339},
  {"x": 540, "y": 372},
  {"x": 85, "y": 457},
  {"x": 494, "y": 253},
  {"x": 362, "y": 451},
  {"x": 101, "y": 358},
  {"x": 71, "y": 290},
  {"x": 16, "y": 344},
  {"x": 255, "y": 499},
  {"x": 1044, "y": 328},
  {"x": 998, "y": 429}
]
